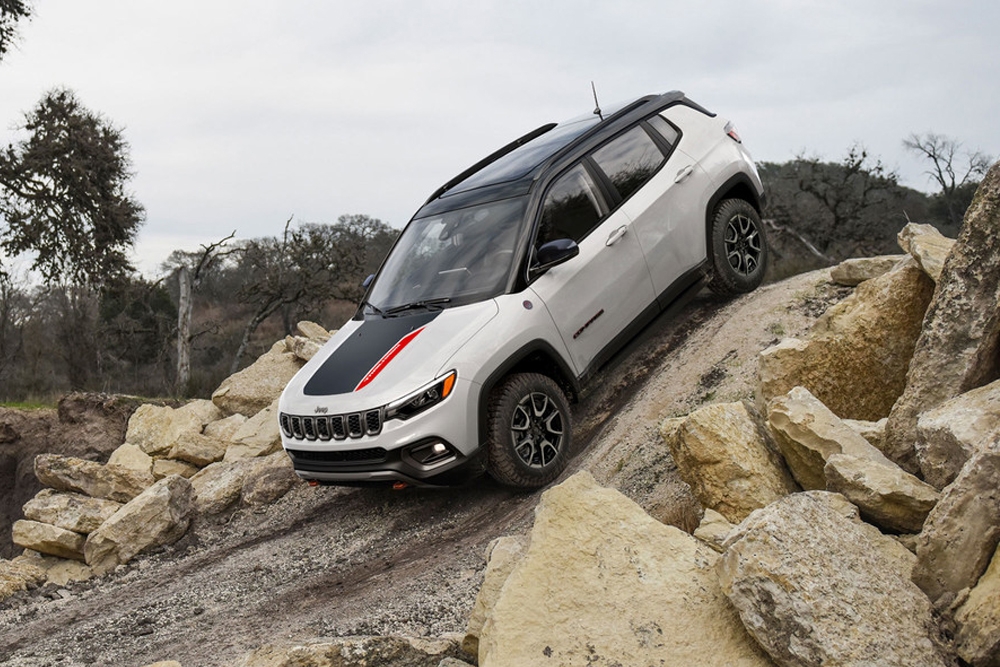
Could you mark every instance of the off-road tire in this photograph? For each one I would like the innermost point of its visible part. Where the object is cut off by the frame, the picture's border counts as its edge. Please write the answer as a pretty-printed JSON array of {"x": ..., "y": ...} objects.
[
  {"x": 530, "y": 431},
  {"x": 738, "y": 254}
]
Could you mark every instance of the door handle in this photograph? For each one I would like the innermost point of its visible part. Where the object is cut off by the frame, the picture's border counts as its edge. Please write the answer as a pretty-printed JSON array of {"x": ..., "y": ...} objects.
[
  {"x": 616, "y": 235},
  {"x": 683, "y": 173}
]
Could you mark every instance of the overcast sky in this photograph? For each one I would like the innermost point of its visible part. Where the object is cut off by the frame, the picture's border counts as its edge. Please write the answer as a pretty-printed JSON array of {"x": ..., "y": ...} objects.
[{"x": 242, "y": 114}]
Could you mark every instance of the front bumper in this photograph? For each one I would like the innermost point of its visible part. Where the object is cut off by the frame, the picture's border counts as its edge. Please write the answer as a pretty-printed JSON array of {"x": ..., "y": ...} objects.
[
  {"x": 383, "y": 451},
  {"x": 376, "y": 466}
]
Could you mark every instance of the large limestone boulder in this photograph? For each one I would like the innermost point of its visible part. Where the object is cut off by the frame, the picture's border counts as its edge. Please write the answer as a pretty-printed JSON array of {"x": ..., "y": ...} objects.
[
  {"x": 887, "y": 496},
  {"x": 978, "y": 620},
  {"x": 948, "y": 435},
  {"x": 958, "y": 345},
  {"x": 67, "y": 473},
  {"x": 808, "y": 434},
  {"x": 502, "y": 555},
  {"x": 155, "y": 429},
  {"x": 856, "y": 357},
  {"x": 270, "y": 478},
  {"x": 604, "y": 583},
  {"x": 148, "y": 426},
  {"x": 48, "y": 539},
  {"x": 158, "y": 516},
  {"x": 58, "y": 571},
  {"x": 219, "y": 485},
  {"x": 817, "y": 586},
  {"x": 18, "y": 576},
  {"x": 726, "y": 456},
  {"x": 873, "y": 432},
  {"x": 70, "y": 511},
  {"x": 714, "y": 530},
  {"x": 167, "y": 467},
  {"x": 962, "y": 531},
  {"x": 256, "y": 481},
  {"x": 854, "y": 271},
  {"x": 311, "y": 337},
  {"x": 258, "y": 385},
  {"x": 303, "y": 348},
  {"x": 357, "y": 652},
  {"x": 313, "y": 331},
  {"x": 258, "y": 436},
  {"x": 225, "y": 429},
  {"x": 198, "y": 449},
  {"x": 927, "y": 245},
  {"x": 132, "y": 457}
]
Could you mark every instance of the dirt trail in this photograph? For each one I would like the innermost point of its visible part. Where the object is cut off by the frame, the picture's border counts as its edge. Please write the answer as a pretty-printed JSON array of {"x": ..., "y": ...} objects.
[{"x": 328, "y": 561}]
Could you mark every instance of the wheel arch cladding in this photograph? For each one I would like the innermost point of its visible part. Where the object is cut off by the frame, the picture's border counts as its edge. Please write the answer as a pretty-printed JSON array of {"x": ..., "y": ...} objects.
[{"x": 536, "y": 357}]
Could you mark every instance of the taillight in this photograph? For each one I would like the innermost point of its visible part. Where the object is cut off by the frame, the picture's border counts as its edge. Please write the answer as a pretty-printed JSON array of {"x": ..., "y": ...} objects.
[{"x": 733, "y": 134}]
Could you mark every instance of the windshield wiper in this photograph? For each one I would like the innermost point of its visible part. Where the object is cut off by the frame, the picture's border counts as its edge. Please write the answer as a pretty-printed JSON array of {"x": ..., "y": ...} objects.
[
  {"x": 378, "y": 311},
  {"x": 426, "y": 303}
]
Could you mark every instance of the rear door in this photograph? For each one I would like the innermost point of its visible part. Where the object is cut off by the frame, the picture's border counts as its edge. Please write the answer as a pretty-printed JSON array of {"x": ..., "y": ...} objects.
[
  {"x": 597, "y": 294},
  {"x": 667, "y": 211}
]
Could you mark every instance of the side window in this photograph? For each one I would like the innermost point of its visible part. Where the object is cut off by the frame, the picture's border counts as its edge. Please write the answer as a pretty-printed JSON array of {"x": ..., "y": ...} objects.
[
  {"x": 664, "y": 129},
  {"x": 629, "y": 160},
  {"x": 571, "y": 208}
]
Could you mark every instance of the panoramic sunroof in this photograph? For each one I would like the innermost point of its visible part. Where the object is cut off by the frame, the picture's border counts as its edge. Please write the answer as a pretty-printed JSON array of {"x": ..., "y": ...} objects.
[{"x": 522, "y": 160}]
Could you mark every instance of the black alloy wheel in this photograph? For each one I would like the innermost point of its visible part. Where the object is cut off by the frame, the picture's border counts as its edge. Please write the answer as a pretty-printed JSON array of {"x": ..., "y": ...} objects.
[
  {"x": 530, "y": 431},
  {"x": 738, "y": 253}
]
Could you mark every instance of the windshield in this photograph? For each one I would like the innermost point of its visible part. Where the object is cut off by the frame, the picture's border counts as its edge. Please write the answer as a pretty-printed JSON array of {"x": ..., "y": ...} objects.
[{"x": 450, "y": 259}]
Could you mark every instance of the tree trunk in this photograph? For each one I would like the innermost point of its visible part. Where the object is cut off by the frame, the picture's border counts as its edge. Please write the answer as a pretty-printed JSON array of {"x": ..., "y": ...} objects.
[
  {"x": 801, "y": 239},
  {"x": 248, "y": 333},
  {"x": 185, "y": 305}
]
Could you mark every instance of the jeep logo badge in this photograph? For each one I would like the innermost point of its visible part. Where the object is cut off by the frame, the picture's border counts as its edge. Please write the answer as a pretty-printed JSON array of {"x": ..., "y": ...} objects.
[{"x": 321, "y": 411}]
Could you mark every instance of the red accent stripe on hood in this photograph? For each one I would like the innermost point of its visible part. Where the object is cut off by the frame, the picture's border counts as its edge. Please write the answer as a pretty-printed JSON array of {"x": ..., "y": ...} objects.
[{"x": 386, "y": 358}]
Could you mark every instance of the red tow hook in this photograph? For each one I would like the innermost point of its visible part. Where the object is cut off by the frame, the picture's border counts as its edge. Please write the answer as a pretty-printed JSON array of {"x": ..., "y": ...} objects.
[
  {"x": 399, "y": 486},
  {"x": 313, "y": 482}
]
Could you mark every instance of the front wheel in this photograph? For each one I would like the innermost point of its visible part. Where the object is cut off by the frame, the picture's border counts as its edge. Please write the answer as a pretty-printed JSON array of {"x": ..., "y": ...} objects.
[
  {"x": 529, "y": 431},
  {"x": 738, "y": 252}
]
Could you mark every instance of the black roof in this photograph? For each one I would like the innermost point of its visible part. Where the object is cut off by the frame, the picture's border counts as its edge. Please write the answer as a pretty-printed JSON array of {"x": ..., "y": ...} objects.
[{"x": 514, "y": 168}]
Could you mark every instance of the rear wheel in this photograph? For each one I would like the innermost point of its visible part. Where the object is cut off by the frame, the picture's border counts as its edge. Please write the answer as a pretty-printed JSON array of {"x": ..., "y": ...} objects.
[
  {"x": 738, "y": 254},
  {"x": 530, "y": 431}
]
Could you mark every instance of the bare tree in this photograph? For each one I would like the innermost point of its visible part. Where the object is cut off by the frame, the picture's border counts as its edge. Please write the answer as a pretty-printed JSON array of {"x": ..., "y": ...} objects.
[
  {"x": 955, "y": 171},
  {"x": 307, "y": 267},
  {"x": 188, "y": 281},
  {"x": 858, "y": 183}
]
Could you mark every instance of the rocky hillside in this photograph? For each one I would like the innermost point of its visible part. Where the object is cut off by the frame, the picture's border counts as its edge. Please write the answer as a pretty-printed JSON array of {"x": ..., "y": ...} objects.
[{"x": 757, "y": 487}]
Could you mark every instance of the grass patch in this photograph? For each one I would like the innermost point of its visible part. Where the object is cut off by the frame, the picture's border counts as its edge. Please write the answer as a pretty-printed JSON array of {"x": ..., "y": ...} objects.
[{"x": 28, "y": 405}]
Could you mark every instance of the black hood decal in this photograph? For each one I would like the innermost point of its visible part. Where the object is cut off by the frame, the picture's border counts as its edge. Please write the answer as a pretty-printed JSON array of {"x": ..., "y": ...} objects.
[{"x": 344, "y": 370}]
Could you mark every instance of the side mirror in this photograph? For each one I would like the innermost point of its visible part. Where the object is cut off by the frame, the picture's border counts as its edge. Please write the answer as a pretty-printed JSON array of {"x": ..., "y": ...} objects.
[
  {"x": 554, "y": 253},
  {"x": 368, "y": 281}
]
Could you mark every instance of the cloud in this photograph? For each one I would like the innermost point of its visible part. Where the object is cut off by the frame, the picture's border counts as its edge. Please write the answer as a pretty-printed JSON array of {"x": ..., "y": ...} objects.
[{"x": 240, "y": 114}]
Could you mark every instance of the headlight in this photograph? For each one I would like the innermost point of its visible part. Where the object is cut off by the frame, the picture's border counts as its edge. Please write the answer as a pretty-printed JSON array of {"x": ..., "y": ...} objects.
[{"x": 421, "y": 399}]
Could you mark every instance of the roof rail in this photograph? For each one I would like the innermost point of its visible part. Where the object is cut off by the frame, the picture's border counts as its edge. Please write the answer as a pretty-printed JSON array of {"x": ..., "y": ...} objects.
[{"x": 492, "y": 157}]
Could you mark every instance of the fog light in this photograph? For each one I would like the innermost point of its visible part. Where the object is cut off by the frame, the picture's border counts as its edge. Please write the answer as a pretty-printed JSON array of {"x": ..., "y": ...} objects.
[{"x": 431, "y": 454}]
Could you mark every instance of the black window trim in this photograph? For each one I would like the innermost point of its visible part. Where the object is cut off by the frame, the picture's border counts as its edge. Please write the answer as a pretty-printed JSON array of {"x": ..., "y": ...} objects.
[
  {"x": 615, "y": 200},
  {"x": 610, "y": 200}
]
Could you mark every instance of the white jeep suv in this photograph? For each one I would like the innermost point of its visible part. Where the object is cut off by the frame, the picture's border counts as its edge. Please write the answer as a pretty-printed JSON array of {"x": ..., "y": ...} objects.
[{"x": 511, "y": 286}]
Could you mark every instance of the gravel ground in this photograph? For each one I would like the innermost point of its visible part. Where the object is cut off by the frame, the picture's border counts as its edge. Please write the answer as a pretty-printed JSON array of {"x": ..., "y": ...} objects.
[{"x": 325, "y": 562}]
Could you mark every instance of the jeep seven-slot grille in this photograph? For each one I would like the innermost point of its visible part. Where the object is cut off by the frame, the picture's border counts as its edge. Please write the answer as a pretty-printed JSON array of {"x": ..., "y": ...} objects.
[{"x": 331, "y": 427}]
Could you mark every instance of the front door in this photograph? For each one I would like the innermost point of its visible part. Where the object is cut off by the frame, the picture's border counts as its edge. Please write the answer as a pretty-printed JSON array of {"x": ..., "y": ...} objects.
[{"x": 594, "y": 296}]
